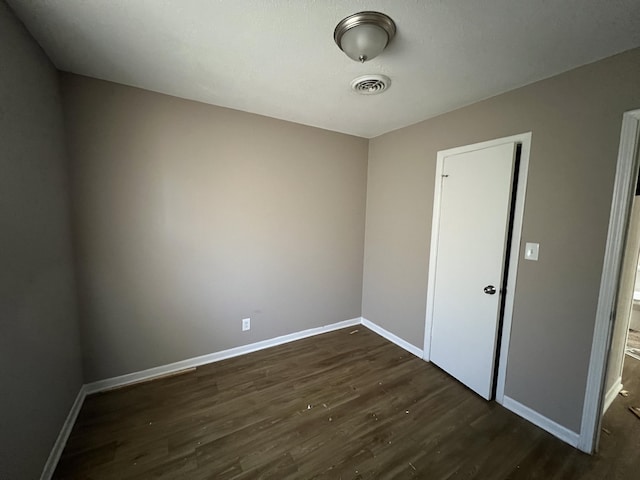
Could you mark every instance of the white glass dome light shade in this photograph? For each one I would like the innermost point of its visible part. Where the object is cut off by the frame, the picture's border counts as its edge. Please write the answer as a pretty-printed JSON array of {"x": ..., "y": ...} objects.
[
  {"x": 364, "y": 35},
  {"x": 364, "y": 42}
]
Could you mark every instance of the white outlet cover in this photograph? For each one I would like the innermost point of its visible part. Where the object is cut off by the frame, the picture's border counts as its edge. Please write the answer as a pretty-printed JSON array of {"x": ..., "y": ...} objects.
[
  {"x": 531, "y": 251},
  {"x": 246, "y": 324}
]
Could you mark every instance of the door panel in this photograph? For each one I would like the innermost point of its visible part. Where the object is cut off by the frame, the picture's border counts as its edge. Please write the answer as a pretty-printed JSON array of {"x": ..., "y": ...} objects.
[{"x": 472, "y": 235}]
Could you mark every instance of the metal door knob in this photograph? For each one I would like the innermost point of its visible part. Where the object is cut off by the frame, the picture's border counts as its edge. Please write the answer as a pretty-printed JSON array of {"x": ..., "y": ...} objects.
[{"x": 489, "y": 289}]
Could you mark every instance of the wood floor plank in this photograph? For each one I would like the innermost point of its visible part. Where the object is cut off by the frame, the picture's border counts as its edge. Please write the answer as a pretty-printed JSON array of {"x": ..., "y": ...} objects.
[{"x": 341, "y": 405}]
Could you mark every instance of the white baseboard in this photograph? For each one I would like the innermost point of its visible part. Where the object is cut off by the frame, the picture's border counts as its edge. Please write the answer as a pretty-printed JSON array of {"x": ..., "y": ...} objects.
[
  {"x": 65, "y": 431},
  {"x": 135, "y": 377},
  {"x": 392, "y": 338},
  {"x": 541, "y": 421},
  {"x": 172, "y": 368},
  {"x": 612, "y": 394}
]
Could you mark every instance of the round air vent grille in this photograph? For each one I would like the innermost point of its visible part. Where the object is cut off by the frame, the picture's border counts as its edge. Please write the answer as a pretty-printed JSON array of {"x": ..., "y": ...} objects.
[{"x": 370, "y": 84}]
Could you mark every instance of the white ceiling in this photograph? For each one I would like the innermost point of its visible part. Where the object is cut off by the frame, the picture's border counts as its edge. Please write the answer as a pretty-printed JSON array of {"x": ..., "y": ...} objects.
[{"x": 278, "y": 58}]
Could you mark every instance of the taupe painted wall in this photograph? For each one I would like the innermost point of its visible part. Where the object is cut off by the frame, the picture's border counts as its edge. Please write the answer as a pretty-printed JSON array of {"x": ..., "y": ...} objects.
[
  {"x": 40, "y": 369},
  {"x": 575, "y": 119},
  {"x": 625, "y": 298},
  {"x": 190, "y": 217}
]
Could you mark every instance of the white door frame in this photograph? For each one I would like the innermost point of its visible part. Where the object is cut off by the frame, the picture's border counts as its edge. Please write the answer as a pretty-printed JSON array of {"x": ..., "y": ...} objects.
[
  {"x": 525, "y": 140},
  {"x": 625, "y": 180}
]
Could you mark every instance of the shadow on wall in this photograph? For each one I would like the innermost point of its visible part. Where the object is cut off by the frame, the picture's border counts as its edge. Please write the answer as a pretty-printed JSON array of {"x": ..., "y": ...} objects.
[{"x": 191, "y": 217}]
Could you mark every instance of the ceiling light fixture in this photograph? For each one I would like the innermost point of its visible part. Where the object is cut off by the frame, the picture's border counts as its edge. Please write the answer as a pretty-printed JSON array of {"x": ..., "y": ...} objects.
[{"x": 363, "y": 36}]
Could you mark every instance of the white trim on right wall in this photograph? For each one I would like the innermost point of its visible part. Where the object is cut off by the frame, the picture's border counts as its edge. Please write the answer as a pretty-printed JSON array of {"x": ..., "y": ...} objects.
[
  {"x": 521, "y": 189},
  {"x": 392, "y": 337},
  {"x": 541, "y": 421},
  {"x": 625, "y": 180}
]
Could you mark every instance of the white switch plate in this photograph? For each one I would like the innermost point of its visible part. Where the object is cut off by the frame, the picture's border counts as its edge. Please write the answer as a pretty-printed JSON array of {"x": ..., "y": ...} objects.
[
  {"x": 246, "y": 324},
  {"x": 531, "y": 251}
]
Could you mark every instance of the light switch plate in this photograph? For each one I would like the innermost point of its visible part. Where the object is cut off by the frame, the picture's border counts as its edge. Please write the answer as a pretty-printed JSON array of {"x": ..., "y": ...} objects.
[{"x": 531, "y": 251}]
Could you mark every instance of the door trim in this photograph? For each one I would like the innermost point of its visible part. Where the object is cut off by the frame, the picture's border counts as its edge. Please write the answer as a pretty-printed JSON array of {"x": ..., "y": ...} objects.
[
  {"x": 625, "y": 180},
  {"x": 525, "y": 140}
]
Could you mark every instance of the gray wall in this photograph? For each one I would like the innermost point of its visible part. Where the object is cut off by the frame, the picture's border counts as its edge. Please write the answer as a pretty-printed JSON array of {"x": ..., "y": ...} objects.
[
  {"x": 575, "y": 119},
  {"x": 190, "y": 217},
  {"x": 40, "y": 369}
]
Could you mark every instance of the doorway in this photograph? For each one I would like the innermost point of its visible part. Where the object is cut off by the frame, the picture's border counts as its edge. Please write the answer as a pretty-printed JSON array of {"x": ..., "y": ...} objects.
[
  {"x": 621, "y": 210},
  {"x": 496, "y": 336},
  {"x": 631, "y": 263},
  {"x": 625, "y": 337}
]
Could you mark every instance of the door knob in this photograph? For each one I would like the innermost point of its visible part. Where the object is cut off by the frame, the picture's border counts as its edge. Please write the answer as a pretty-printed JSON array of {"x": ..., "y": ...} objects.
[{"x": 489, "y": 289}]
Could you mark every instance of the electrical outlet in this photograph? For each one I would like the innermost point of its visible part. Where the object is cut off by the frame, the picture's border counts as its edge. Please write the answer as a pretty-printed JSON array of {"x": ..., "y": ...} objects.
[{"x": 246, "y": 324}]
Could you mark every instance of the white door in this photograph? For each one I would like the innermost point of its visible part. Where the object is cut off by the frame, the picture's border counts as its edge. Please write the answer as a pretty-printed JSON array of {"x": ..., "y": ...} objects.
[{"x": 472, "y": 237}]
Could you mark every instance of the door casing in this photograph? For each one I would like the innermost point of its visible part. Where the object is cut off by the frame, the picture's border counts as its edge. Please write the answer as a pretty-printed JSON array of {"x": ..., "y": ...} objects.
[
  {"x": 525, "y": 140},
  {"x": 623, "y": 189}
]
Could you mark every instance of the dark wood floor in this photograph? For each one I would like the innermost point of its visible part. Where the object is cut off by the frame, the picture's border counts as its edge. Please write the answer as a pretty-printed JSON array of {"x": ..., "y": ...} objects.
[{"x": 335, "y": 406}]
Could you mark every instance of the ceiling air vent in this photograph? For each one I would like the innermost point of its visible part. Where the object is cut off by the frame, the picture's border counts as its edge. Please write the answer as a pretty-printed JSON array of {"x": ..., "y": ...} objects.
[{"x": 370, "y": 84}]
